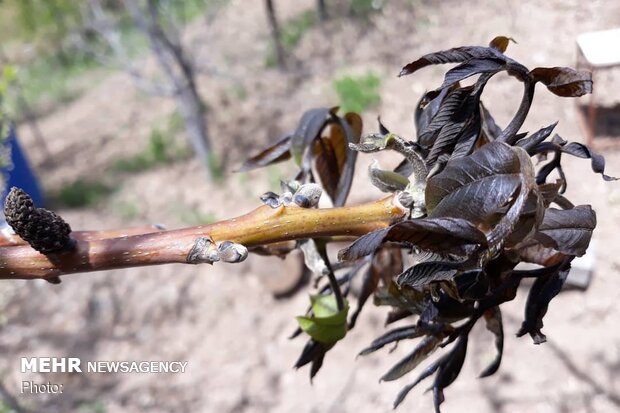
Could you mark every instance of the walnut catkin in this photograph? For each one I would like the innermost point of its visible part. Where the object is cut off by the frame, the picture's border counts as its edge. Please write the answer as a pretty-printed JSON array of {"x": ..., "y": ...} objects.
[{"x": 44, "y": 230}]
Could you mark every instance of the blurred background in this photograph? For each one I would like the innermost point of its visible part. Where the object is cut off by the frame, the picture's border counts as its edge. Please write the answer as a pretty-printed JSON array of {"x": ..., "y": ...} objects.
[{"x": 132, "y": 112}]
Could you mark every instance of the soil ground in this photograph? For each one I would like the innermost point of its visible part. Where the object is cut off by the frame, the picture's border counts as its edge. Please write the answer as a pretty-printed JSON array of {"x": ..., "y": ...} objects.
[{"x": 223, "y": 320}]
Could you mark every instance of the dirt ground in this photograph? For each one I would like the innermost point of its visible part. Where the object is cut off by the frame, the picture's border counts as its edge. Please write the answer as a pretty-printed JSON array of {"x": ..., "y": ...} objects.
[{"x": 223, "y": 320}]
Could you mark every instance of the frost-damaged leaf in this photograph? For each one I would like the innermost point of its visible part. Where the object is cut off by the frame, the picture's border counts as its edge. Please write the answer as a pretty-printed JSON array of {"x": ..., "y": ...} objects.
[
  {"x": 528, "y": 195},
  {"x": 532, "y": 251},
  {"x": 352, "y": 126},
  {"x": 490, "y": 128},
  {"x": 455, "y": 55},
  {"x": 327, "y": 324},
  {"x": 403, "y": 333},
  {"x": 405, "y": 298},
  {"x": 541, "y": 293},
  {"x": 530, "y": 142},
  {"x": 450, "y": 106},
  {"x": 583, "y": 151},
  {"x": 425, "y": 272},
  {"x": 277, "y": 152},
  {"x": 564, "y": 81},
  {"x": 434, "y": 234},
  {"x": 567, "y": 231},
  {"x": 426, "y": 373},
  {"x": 471, "y": 284},
  {"x": 424, "y": 349},
  {"x": 425, "y": 111},
  {"x": 386, "y": 263},
  {"x": 501, "y": 43},
  {"x": 493, "y": 318},
  {"x": 313, "y": 352},
  {"x": 470, "y": 68},
  {"x": 475, "y": 186},
  {"x": 550, "y": 191},
  {"x": 449, "y": 369},
  {"x": 310, "y": 126}
]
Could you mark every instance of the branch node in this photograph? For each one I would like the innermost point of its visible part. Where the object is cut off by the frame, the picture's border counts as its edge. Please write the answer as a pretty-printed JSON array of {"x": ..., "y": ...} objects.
[{"x": 203, "y": 251}]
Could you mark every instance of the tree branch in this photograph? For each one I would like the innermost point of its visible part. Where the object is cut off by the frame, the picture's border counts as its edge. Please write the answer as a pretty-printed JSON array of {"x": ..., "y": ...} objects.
[{"x": 262, "y": 226}]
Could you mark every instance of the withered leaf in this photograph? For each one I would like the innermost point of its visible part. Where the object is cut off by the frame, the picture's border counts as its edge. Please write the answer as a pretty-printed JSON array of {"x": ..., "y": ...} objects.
[
  {"x": 386, "y": 263},
  {"x": 311, "y": 124},
  {"x": 278, "y": 152},
  {"x": 449, "y": 369},
  {"x": 501, "y": 43},
  {"x": 425, "y": 373},
  {"x": 313, "y": 352},
  {"x": 397, "y": 334},
  {"x": 564, "y": 81},
  {"x": 434, "y": 234},
  {"x": 583, "y": 151},
  {"x": 567, "y": 231},
  {"x": 530, "y": 142},
  {"x": 424, "y": 349},
  {"x": 455, "y": 55},
  {"x": 475, "y": 186},
  {"x": 429, "y": 271},
  {"x": 544, "y": 289},
  {"x": 493, "y": 318}
]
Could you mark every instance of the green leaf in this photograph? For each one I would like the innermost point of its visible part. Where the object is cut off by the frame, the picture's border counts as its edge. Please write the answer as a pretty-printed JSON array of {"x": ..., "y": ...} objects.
[{"x": 327, "y": 324}]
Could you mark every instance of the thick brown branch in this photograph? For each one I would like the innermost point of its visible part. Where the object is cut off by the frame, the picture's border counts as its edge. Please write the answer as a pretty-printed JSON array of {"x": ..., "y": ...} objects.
[{"x": 262, "y": 226}]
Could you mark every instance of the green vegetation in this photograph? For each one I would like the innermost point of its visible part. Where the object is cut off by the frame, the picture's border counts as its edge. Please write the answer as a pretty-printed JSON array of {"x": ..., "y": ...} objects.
[
  {"x": 364, "y": 8},
  {"x": 126, "y": 209},
  {"x": 161, "y": 149},
  {"x": 82, "y": 193},
  {"x": 357, "y": 93}
]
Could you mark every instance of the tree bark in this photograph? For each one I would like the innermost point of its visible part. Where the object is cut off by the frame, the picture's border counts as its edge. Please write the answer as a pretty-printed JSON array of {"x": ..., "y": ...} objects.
[
  {"x": 179, "y": 71},
  {"x": 276, "y": 34},
  {"x": 322, "y": 10}
]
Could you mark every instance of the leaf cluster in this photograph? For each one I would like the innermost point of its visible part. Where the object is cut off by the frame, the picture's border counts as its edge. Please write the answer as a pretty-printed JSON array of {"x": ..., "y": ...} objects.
[{"x": 480, "y": 207}]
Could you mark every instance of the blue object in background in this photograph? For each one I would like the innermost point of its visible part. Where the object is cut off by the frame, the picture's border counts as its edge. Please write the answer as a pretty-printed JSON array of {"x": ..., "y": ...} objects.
[{"x": 21, "y": 175}]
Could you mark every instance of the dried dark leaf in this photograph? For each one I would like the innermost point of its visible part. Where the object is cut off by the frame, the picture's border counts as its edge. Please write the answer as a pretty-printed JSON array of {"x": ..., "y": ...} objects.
[
  {"x": 544, "y": 289},
  {"x": 434, "y": 234},
  {"x": 426, "y": 373},
  {"x": 309, "y": 128},
  {"x": 489, "y": 127},
  {"x": 475, "y": 186},
  {"x": 564, "y": 81},
  {"x": 501, "y": 43},
  {"x": 583, "y": 151},
  {"x": 382, "y": 129},
  {"x": 449, "y": 369},
  {"x": 455, "y": 55},
  {"x": 424, "y": 349},
  {"x": 313, "y": 352},
  {"x": 425, "y": 272},
  {"x": 470, "y": 68},
  {"x": 493, "y": 318},
  {"x": 403, "y": 333},
  {"x": 567, "y": 231},
  {"x": 386, "y": 262},
  {"x": 449, "y": 109},
  {"x": 535, "y": 138},
  {"x": 277, "y": 152},
  {"x": 472, "y": 284},
  {"x": 426, "y": 111}
]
